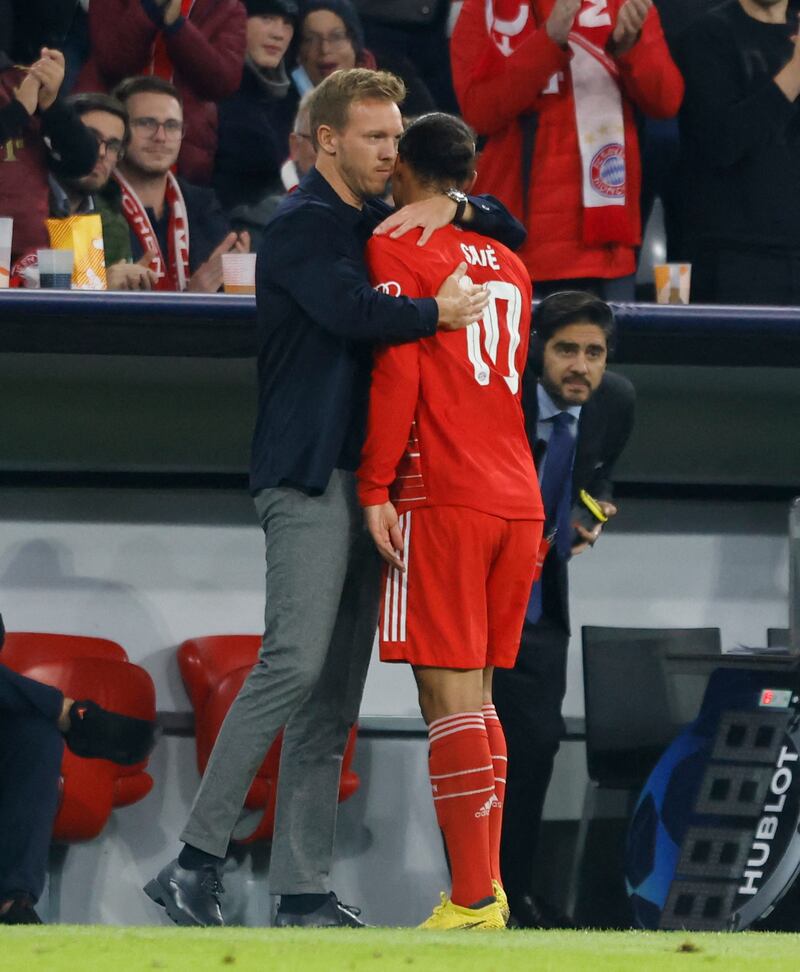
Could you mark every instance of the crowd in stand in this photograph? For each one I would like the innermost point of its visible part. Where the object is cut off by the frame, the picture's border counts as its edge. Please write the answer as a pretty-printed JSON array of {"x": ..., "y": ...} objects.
[
  {"x": 183, "y": 124},
  {"x": 586, "y": 111}
]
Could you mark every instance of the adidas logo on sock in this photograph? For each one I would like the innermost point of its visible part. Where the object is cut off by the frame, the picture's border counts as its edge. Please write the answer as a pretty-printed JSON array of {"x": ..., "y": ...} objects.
[{"x": 486, "y": 809}]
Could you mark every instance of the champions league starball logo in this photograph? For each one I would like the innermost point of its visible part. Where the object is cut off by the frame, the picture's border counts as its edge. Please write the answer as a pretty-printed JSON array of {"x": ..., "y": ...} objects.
[{"x": 607, "y": 171}]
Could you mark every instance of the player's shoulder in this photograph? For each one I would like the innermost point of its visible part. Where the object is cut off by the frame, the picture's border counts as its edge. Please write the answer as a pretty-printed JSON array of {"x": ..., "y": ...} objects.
[
  {"x": 382, "y": 243},
  {"x": 483, "y": 251}
]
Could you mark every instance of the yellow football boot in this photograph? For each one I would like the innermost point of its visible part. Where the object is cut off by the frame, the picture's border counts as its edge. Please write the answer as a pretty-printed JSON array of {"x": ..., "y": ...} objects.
[
  {"x": 447, "y": 916},
  {"x": 502, "y": 900}
]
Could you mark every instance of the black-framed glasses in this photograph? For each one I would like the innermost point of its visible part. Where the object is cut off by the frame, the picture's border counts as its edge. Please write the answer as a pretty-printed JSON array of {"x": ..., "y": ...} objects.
[
  {"x": 112, "y": 146},
  {"x": 173, "y": 129}
]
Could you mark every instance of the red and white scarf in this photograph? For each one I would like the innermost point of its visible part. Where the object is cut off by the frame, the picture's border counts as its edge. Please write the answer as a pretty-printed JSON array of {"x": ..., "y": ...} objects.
[
  {"x": 172, "y": 273},
  {"x": 601, "y": 129}
]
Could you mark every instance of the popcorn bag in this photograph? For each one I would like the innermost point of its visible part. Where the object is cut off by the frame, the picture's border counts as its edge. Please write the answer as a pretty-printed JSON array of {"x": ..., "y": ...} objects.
[{"x": 84, "y": 236}]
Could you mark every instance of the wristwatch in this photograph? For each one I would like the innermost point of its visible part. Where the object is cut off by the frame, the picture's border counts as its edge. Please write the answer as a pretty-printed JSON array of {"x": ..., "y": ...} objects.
[{"x": 460, "y": 199}]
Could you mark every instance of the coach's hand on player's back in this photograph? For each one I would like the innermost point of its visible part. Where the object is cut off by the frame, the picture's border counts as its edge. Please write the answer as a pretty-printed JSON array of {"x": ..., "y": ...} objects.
[
  {"x": 385, "y": 531},
  {"x": 426, "y": 214},
  {"x": 460, "y": 303}
]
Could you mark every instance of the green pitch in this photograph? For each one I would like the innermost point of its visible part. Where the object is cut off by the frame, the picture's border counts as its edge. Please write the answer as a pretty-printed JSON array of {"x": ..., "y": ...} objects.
[{"x": 101, "y": 949}]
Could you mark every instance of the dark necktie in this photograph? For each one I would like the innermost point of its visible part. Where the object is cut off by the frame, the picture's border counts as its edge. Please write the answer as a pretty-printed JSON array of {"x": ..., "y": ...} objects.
[{"x": 556, "y": 487}]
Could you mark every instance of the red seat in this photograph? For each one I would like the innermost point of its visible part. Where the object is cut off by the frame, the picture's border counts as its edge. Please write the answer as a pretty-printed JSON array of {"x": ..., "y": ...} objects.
[
  {"x": 213, "y": 670},
  {"x": 94, "y": 668}
]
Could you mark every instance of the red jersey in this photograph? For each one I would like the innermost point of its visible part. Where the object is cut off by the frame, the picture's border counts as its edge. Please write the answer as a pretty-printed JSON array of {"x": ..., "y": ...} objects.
[{"x": 445, "y": 423}]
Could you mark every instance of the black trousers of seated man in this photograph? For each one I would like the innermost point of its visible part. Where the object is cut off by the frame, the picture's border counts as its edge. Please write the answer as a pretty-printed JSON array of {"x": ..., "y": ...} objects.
[
  {"x": 31, "y": 748},
  {"x": 528, "y": 700}
]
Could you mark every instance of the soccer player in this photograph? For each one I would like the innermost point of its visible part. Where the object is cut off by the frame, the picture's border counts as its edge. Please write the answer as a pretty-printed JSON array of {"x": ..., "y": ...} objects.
[{"x": 451, "y": 499}]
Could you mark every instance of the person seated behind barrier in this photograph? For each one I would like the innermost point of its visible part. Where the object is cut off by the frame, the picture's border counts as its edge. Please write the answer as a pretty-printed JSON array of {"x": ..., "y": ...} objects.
[
  {"x": 302, "y": 156},
  {"x": 740, "y": 135},
  {"x": 330, "y": 38},
  {"x": 97, "y": 192},
  {"x": 35, "y": 722},
  {"x": 254, "y": 124},
  {"x": 31, "y": 112},
  {"x": 183, "y": 225},
  {"x": 198, "y": 44}
]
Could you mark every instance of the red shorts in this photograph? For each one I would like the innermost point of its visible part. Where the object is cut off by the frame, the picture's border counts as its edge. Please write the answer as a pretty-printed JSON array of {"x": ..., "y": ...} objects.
[{"x": 461, "y": 601}]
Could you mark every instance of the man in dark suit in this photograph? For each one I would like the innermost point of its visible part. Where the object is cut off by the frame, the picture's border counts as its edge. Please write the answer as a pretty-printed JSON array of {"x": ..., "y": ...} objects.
[{"x": 578, "y": 418}]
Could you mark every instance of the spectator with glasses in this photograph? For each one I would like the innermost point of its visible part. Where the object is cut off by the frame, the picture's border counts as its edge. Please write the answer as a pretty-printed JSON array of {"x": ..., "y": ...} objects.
[
  {"x": 97, "y": 192},
  {"x": 182, "y": 225},
  {"x": 330, "y": 38},
  {"x": 198, "y": 45}
]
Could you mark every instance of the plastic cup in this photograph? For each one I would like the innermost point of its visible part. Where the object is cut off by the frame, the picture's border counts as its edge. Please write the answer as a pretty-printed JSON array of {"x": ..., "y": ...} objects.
[
  {"x": 55, "y": 269},
  {"x": 6, "y": 229},
  {"x": 239, "y": 273},
  {"x": 673, "y": 282}
]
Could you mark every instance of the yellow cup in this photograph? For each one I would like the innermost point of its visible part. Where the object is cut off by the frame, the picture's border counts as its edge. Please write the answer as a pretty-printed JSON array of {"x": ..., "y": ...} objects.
[{"x": 673, "y": 282}]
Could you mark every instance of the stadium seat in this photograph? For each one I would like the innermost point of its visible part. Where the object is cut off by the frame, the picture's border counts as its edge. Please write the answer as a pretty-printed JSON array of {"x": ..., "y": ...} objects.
[
  {"x": 213, "y": 670},
  {"x": 778, "y": 637},
  {"x": 95, "y": 668},
  {"x": 641, "y": 687},
  {"x": 638, "y": 695}
]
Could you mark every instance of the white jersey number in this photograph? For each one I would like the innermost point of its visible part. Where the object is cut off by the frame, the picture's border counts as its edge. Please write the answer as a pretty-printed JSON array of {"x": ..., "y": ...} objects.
[
  {"x": 484, "y": 336},
  {"x": 595, "y": 14}
]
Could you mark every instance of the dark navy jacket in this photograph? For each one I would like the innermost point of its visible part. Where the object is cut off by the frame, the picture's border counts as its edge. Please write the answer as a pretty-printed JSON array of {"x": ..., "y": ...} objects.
[
  {"x": 208, "y": 225},
  {"x": 318, "y": 319},
  {"x": 252, "y": 142}
]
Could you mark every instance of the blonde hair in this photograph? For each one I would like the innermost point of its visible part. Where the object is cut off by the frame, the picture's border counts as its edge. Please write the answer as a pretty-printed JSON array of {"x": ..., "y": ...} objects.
[{"x": 329, "y": 103}]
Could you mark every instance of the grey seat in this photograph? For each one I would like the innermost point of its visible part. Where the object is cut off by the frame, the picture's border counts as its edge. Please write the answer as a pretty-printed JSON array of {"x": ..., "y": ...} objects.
[{"x": 641, "y": 687}]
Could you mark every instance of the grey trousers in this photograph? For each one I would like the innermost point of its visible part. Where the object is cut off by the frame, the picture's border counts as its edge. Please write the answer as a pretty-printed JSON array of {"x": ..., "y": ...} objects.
[{"x": 323, "y": 580}]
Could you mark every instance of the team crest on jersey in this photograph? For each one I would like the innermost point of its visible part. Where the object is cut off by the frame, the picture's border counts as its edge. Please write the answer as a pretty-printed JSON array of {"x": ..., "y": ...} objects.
[
  {"x": 505, "y": 21},
  {"x": 607, "y": 171},
  {"x": 390, "y": 287}
]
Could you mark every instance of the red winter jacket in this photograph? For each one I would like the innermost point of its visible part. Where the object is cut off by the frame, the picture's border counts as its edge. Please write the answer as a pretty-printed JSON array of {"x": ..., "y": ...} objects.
[
  {"x": 207, "y": 53},
  {"x": 494, "y": 91}
]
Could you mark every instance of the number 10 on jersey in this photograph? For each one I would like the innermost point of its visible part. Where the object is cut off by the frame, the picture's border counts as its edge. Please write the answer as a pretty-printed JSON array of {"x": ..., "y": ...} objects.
[{"x": 496, "y": 336}]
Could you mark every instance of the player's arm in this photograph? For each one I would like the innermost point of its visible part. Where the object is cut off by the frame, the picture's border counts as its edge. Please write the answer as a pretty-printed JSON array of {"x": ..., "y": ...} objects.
[{"x": 392, "y": 403}]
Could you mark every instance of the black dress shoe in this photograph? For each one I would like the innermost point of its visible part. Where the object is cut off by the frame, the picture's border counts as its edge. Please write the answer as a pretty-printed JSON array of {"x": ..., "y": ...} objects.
[
  {"x": 189, "y": 897},
  {"x": 96, "y": 733},
  {"x": 21, "y": 912},
  {"x": 332, "y": 914},
  {"x": 529, "y": 911}
]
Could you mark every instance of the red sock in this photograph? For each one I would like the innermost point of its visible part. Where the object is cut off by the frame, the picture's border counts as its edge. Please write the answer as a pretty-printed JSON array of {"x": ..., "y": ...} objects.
[
  {"x": 497, "y": 747},
  {"x": 463, "y": 792}
]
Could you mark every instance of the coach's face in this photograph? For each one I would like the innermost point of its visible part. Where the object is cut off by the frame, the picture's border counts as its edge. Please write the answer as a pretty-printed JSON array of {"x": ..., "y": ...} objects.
[
  {"x": 573, "y": 363},
  {"x": 366, "y": 149}
]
